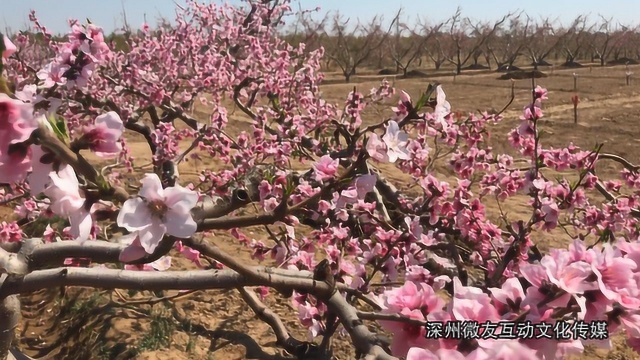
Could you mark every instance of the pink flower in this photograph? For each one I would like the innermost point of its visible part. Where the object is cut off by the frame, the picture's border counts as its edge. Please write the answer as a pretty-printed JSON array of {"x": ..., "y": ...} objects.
[
  {"x": 89, "y": 40},
  {"x": 404, "y": 97},
  {"x": 376, "y": 148},
  {"x": 325, "y": 168},
  {"x": 49, "y": 234},
  {"x": 551, "y": 213},
  {"x": 365, "y": 184},
  {"x": 413, "y": 301},
  {"x": 404, "y": 105},
  {"x": 9, "y": 47},
  {"x": 15, "y": 163},
  {"x": 10, "y": 232},
  {"x": 396, "y": 141},
  {"x": 531, "y": 115},
  {"x": 510, "y": 296},
  {"x": 66, "y": 201},
  {"x": 53, "y": 74},
  {"x": 159, "y": 211},
  {"x": 441, "y": 354},
  {"x": 262, "y": 291},
  {"x": 504, "y": 350},
  {"x": 104, "y": 137},
  {"x": 407, "y": 296},
  {"x": 309, "y": 316},
  {"x": 416, "y": 353},
  {"x": 347, "y": 196},
  {"x": 569, "y": 276},
  {"x": 406, "y": 335},
  {"x": 189, "y": 253},
  {"x": 470, "y": 303},
  {"x": 16, "y": 124},
  {"x": 615, "y": 274},
  {"x": 540, "y": 93}
]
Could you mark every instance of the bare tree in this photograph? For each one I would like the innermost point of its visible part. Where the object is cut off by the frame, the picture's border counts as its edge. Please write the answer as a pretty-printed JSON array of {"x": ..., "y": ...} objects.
[
  {"x": 437, "y": 48},
  {"x": 630, "y": 46},
  {"x": 509, "y": 42},
  {"x": 543, "y": 40},
  {"x": 576, "y": 39},
  {"x": 607, "y": 39},
  {"x": 351, "y": 48},
  {"x": 307, "y": 30},
  {"x": 408, "y": 43},
  {"x": 469, "y": 37}
]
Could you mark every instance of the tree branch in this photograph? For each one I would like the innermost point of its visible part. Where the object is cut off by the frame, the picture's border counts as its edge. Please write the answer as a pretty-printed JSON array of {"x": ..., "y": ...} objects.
[{"x": 283, "y": 338}]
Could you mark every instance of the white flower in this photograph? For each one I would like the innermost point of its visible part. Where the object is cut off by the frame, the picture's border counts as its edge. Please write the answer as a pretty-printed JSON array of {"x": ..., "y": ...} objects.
[
  {"x": 66, "y": 201},
  {"x": 443, "y": 108},
  {"x": 396, "y": 142},
  {"x": 159, "y": 211}
]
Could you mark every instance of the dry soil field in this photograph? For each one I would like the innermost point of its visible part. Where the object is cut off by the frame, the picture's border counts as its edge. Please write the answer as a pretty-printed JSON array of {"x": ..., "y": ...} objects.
[{"x": 89, "y": 324}]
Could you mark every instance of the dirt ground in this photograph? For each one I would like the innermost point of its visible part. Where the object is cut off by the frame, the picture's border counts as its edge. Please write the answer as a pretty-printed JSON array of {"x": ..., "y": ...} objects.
[{"x": 89, "y": 324}]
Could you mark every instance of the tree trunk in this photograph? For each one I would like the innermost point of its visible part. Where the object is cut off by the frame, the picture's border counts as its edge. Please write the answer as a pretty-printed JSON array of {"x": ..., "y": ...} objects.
[{"x": 9, "y": 319}]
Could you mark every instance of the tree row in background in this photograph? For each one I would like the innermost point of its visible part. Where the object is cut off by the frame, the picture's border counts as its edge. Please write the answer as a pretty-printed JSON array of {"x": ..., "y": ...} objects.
[{"x": 400, "y": 45}]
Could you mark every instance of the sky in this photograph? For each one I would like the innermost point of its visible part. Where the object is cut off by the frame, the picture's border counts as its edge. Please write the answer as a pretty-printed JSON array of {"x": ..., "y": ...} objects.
[{"x": 108, "y": 13}]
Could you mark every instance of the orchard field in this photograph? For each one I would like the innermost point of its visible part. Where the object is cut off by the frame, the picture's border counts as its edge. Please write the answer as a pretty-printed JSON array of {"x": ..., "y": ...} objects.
[{"x": 451, "y": 186}]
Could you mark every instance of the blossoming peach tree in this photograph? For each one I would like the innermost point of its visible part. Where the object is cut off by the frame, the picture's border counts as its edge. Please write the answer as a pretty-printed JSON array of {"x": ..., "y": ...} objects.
[{"x": 428, "y": 265}]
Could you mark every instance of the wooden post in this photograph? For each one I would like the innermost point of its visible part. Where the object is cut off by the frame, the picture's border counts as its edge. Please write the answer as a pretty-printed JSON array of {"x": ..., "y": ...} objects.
[{"x": 575, "y": 99}]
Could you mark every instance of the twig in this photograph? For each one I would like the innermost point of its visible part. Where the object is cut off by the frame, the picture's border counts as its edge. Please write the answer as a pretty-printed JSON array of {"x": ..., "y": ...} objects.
[{"x": 156, "y": 300}]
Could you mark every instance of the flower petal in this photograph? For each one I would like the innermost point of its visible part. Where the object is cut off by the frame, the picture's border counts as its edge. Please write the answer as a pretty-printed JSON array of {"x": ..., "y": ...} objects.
[
  {"x": 180, "y": 198},
  {"x": 132, "y": 253},
  {"x": 162, "y": 264},
  {"x": 393, "y": 127},
  {"x": 65, "y": 179},
  {"x": 151, "y": 188},
  {"x": 9, "y": 47},
  {"x": 81, "y": 224},
  {"x": 151, "y": 235},
  {"x": 110, "y": 120},
  {"x": 39, "y": 177},
  {"x": 179, "y": 224},
  {"x": 134, "y": 215}
]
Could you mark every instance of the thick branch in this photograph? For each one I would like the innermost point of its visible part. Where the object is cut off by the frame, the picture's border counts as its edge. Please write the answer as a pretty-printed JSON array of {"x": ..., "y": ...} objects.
[
  {"x": 366, "y": 342},
  {"x": 284, "y": 339},
  {"x": 13, "y": 265},
  {"x": 122, "y": 279},
  {"x": 55, "y": 253},
  {"x": 9, "y": 319}
]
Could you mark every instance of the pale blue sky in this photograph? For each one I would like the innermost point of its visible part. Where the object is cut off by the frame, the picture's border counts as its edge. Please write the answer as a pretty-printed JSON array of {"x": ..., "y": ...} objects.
[{"x": 108, "y": 13}]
